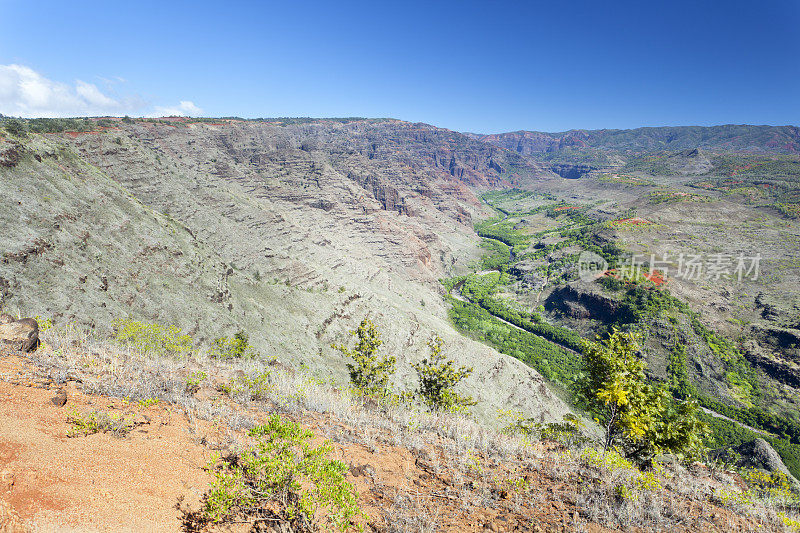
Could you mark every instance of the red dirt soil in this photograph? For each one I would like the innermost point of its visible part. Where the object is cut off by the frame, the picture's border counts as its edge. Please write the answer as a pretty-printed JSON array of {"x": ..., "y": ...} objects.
[{"x": 97, "y": 482}]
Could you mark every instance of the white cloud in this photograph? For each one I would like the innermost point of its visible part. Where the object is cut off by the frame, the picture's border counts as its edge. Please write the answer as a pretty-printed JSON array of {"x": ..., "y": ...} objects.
[
  {"x": 184, "y": 109},
  {"x": 92, "y": 95},
  {"x": 26, "y": 93}
]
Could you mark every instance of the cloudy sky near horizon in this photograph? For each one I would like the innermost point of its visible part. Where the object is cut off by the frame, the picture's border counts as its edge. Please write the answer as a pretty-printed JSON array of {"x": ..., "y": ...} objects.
[{"x": 469, "y": 66}]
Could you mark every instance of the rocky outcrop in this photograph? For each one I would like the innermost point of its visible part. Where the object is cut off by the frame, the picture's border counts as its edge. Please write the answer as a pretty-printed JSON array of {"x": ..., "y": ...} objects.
[
  {"x": 694, "y": 161},
  {"x": 388, "y": 196},
  {"x": 774, "y": 349},
  {"x": 571, "y": 172},
  {"x": 583, "y": 300},
  {"x": 21, "y": 334},
  {"x": 525, "y": 272},
  {"x": 10, "y": 154},
  {"x": 765, "y": 357}
]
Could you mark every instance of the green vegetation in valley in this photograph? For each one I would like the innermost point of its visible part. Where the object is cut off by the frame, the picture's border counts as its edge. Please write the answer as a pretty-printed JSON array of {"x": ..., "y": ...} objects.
[
  {"x": 497, "y": 257},
  {"x": 479, "y": 290},
  {"x": 502, "y": 231},
  {"x": 488, "y": 317},
  {"x": 556, "y": 364}
]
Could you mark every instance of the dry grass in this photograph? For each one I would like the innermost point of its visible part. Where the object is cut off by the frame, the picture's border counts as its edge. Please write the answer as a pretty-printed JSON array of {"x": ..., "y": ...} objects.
[{"x": 477, "y": 461}]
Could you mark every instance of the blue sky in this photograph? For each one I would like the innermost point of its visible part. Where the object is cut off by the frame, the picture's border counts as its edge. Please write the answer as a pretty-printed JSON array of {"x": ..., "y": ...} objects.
[{"x": 469, "y": 66}]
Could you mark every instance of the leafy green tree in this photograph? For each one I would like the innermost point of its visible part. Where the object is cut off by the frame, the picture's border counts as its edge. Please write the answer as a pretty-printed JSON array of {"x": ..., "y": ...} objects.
[
  {"x": 438, "y": 377},
  {"x": 369, "y": 372},
  {"x": 640, "y": 417}
]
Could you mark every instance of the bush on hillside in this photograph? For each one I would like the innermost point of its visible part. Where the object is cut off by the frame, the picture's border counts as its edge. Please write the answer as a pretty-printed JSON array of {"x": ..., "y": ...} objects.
[
  {"x": 282, "y": 468},
  {"x": 152, "y": 339},
  {"x": 237, "y": 347},
  {"x": 369, "y": 372},
  {"x": 438, "y": 378}
]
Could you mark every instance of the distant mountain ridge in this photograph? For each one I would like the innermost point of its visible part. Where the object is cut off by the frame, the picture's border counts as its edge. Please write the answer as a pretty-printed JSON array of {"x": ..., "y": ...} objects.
[{"x": 730, "y": 137}]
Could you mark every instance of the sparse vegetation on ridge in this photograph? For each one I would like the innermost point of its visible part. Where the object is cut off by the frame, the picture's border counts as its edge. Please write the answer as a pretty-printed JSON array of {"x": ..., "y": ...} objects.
[{"x": 478, "y": 462}]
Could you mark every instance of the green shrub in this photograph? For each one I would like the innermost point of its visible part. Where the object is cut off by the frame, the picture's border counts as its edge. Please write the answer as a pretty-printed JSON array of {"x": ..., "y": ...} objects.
[
  {"x": 369, "y": 372},
  {"x": 257, "y": 386},
  {"x": 553, "y": 362},
  {"x": 284, "y": 468},
  {"x": 152, "y": 339},
  {"x": 437, "y": 380},
  {"x": 97, "y": 422},
  {"x": 194, "y": 380},
  {"x": 237, "y": 347},
  {"x": 15, "y": 127}
]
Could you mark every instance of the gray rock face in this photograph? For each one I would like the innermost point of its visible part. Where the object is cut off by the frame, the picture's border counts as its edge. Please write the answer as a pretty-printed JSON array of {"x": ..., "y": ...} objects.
[
  {"x": 525, "y": 271},
  {"x": 21, "y": 334},
  {"x": 583, "y": 300}
]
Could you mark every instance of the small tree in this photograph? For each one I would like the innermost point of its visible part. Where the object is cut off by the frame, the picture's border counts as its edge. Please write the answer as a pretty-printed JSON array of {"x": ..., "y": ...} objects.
[
  {"x": 369, "y": 372},
  {"x": 438, "y": 377},
  {"x": 642, "y": 418}
]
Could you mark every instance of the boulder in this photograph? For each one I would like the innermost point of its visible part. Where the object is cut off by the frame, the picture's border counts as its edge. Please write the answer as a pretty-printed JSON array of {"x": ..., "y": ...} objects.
[
  {"x": 60, "y": 398},
  {"x": 21, "y": 334}
]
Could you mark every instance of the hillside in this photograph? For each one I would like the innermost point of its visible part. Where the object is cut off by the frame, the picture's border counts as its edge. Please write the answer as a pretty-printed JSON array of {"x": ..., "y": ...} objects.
[
  {"x": 288, "y": 232},
  {"x": 95, "y": 436},
  {"x": 292, "y": 233}
]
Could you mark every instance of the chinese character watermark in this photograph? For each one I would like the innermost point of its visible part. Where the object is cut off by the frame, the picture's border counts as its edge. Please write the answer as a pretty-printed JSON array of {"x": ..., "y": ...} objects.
[{"x": 690, "y": 267}]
